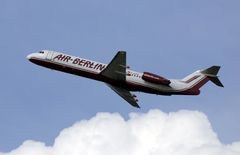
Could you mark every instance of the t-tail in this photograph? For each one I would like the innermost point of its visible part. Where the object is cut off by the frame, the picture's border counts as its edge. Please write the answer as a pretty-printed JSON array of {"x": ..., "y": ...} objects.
[
  {"x": 199, "y": 78},
  {"x": 211, "y": 73}
]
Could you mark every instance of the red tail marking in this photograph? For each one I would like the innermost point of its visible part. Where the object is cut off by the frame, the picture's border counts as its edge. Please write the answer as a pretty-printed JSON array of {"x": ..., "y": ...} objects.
[{"x": 191, "y": 79}]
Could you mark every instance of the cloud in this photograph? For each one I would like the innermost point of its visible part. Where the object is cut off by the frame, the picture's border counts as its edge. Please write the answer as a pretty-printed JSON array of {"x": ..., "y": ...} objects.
[{"x": 153, "y": 133}]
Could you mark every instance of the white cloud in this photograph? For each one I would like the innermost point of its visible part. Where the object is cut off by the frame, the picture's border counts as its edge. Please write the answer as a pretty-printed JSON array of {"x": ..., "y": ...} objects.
[{"x": 153, "y": 133}]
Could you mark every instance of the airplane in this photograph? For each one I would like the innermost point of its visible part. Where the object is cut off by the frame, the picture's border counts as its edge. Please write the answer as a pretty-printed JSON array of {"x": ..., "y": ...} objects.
[{"x": 121, "y": 79}]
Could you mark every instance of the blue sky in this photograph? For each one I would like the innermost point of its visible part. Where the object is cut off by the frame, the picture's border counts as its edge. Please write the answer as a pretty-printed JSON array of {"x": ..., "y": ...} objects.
[{"x": 169, "y": 37}]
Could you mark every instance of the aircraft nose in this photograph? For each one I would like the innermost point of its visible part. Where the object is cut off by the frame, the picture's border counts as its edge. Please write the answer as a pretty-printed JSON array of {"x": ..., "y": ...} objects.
[{"x": 29, "y": 56}]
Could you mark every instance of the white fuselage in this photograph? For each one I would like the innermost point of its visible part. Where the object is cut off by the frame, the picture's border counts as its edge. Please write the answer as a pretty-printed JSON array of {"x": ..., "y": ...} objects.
[{"x": 92, "y": 69}]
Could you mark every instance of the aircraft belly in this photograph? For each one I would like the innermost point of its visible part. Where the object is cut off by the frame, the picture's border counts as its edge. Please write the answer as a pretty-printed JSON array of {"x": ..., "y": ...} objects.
[{"x": 135, "y": 85}]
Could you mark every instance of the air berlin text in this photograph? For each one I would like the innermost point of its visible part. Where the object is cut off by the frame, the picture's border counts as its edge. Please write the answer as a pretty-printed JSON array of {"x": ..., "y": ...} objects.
[{"x": 80, "y": 62}]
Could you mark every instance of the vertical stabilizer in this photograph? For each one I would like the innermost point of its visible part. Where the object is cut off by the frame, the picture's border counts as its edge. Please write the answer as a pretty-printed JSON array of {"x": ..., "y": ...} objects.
[{"x": 199, "y": 78}]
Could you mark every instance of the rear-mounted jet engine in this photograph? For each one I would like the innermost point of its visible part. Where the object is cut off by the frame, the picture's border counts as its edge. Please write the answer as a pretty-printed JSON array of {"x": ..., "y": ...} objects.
[{"x": 153, "y": 78}]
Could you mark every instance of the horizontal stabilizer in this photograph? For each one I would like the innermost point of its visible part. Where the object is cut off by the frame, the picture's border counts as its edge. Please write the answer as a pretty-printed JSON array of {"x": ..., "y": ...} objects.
[{"x": 212, "y": 70}]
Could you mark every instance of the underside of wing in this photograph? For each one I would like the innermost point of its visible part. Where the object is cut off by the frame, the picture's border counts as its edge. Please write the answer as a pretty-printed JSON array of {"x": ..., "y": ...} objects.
[{"x": 126, "y": 95}]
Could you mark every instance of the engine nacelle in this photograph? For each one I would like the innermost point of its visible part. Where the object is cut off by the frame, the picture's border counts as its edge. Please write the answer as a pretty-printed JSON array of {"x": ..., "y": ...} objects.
[{"x": 153, "y": 78}]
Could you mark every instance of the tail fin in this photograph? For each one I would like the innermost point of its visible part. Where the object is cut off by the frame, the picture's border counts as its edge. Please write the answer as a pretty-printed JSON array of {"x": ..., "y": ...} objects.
[
  {"x": 199, "y": 78},
  {"x": 211, "y": 73}
]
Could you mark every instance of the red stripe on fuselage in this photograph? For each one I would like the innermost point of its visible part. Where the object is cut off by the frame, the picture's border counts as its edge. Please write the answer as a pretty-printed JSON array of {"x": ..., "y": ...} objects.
[
  {"x": 191, "y": 79},
  {"x": 92, "y": 75}
]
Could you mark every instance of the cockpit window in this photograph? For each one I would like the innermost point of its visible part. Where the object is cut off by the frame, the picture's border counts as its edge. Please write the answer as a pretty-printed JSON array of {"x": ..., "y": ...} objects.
[{"x": 41, "y": 52}]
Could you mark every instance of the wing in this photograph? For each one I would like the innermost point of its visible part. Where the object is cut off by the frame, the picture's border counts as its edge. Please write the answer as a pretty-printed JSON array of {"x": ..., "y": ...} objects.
[
  {"x": 116, "y": 69},
  {"x": 126, "y": 95}
]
